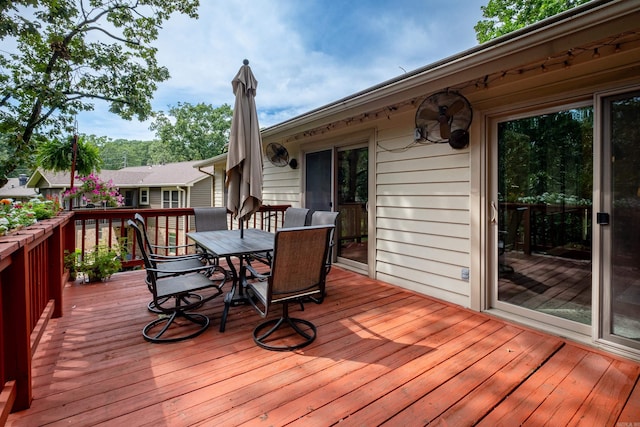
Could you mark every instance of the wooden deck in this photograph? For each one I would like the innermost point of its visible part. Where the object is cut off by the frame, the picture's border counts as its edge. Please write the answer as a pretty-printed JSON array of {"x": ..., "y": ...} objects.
[
  {"x": 383, "y": 356},
  {"x": 552, "y": 285}
]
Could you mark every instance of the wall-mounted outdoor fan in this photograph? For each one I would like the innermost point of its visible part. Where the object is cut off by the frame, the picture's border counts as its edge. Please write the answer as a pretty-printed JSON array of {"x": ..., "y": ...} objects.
[
  {"x": 444, "y": 117},
  {"x": 279, "y": 156}
]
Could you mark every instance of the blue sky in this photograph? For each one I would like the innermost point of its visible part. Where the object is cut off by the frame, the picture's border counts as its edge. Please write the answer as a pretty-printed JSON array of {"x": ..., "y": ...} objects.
[{"x": 304, "y": 53}]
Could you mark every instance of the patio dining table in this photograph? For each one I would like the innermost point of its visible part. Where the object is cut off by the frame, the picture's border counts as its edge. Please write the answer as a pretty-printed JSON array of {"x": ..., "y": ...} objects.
[{"x": 228, "y": 243}]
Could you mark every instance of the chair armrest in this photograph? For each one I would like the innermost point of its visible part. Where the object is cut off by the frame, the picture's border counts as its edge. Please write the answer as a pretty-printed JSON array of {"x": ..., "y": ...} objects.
[
  {"x": 169, "y": 258},
  {"x": 172, "y": 246},
  {"x": 254, "y": 273},
  {"x": 181, "y": 270}
]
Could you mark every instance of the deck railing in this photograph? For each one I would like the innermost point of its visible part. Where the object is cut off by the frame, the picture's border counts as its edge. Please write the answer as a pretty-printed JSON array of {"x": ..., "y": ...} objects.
[
  {"x": 31, "y": 281},
  {"x": 32, "y": 276}
]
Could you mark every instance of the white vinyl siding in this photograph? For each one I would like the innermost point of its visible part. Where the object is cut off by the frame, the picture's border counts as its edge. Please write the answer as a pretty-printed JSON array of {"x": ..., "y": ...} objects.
[
  {"x": 422, "y": 214},
  {"x": 282, "y": 185},
  {"x": 421, "y": 209}
]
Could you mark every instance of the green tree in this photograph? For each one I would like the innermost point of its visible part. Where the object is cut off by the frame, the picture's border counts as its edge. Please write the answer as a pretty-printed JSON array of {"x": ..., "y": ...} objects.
[
  {"x": 57, "y": 155},
  {"x": 61, "y": 56},
  {"x": 505, "y": 16},
  {"x": 190, "y": 132},
  {"x": 120, "y": 153}
]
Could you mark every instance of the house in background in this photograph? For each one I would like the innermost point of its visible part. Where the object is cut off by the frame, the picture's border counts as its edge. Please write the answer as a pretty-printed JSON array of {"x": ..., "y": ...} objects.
[
  {"x": 16, "y": 189},
  {"x": 171, "y": 185},
  {"x": 534, "y": 218}
]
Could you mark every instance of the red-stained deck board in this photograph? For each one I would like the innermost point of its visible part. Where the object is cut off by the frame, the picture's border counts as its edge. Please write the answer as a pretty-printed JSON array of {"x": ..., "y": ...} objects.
[
  {"x": 340, "y": 351},
  {"x": 432, "y": 336},
  {"x": 488, "y": 382},
  {"x": 631, "y": 410},
  {"x": 432, "y": 380},
  {"x": 246, "y": 386},
  {"x": 525, "y": 400},
  {"x": 375, "y": 395},
  {"x": 382, "y": 354},
  {"x": 608, "y": 396},
  {"x": 562, "y": 404},
  {"x": 174, "y": 384},
  {"x": 384, "y": 340}
]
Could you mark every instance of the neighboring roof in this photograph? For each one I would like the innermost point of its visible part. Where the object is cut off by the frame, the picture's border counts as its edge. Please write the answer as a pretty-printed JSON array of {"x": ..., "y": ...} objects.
[
  {"x": 167, "y": 175},
  {"x": 13, "y": 190}
]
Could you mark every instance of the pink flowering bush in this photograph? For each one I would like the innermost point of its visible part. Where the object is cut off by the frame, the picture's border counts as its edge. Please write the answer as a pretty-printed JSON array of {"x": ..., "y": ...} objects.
[{"x": 94, "y": 190}]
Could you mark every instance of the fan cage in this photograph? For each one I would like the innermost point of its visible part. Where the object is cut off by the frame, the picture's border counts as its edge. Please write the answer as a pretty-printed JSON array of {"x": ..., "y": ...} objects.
[{"x": 429, "y": 129}]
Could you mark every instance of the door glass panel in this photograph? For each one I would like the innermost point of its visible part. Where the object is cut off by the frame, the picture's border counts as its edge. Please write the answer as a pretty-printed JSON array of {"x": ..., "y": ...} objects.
[
  {"x": 545, "y": 184},
  {"x": 623, "y": 116},
  {"x": 353, "y": 196},
  {"x": 318, "y": 181}
]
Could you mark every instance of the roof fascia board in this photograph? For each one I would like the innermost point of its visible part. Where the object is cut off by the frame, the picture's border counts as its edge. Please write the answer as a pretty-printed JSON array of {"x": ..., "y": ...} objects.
[{"x": 210, "y": 161}]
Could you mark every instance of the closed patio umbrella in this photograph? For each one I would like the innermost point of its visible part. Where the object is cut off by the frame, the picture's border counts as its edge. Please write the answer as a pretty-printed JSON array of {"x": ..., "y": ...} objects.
[{"x": 244, "y": 158}]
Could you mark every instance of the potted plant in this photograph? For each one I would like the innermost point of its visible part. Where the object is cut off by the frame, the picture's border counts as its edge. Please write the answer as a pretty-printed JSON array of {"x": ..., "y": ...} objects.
[
  {"x": 70, "y": 263},
  {"x": 96, "y": 265}
]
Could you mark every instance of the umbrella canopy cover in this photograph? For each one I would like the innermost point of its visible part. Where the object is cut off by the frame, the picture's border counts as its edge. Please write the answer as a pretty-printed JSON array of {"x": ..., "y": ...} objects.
[{"x": 244, "y": 158}]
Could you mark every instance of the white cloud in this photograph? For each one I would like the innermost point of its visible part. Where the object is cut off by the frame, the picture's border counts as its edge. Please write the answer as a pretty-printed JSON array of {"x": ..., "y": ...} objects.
[{"x": 304, "y": 54}]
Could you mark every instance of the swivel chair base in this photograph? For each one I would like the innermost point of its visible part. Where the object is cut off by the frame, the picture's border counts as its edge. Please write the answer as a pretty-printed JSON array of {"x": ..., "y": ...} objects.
[
  {"x": 164, "y": 323},
  {"x": 261, "y": 338}
]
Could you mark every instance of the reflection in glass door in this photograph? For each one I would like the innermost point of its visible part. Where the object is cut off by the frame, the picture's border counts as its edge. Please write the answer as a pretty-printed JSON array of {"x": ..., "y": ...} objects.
[
  {"x": 621, "y": 224},
  {"x": 353, "y": 197},
  {"x": 318, "y": 182},
  {"x": 543, "y": 210}
]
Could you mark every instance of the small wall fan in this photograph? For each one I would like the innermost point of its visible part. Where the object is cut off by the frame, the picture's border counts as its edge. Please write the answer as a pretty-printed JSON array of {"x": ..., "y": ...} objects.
[
  {"x": 444, "y": 117},
  {"x": 277, "y": 154}
]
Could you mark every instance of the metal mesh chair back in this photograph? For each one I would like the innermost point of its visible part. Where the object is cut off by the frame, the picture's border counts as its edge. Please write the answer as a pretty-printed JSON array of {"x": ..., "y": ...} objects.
[
  {"x": 211, "y": 218},
  {"x": 295, "y": 217}
]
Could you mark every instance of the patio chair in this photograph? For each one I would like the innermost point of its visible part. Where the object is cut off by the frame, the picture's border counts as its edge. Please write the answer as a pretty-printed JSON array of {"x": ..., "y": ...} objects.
[
  {"x": 212, "y": 219},
  {"x": 297, "y": 271},
  {"x": 295, "y": 217},
  {"x": 176, "y": 285},
  {"x": 326, "y": 218},
  {"x": 152, "y": 249},
  {"x": 167, "y": 263}
]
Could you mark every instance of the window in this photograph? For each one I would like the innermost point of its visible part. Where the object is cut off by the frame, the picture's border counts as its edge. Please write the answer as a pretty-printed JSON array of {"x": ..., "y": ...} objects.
[
  {"x": 173, "y": 242},
  {"x": 128, "y": 198},
  {"x": 170, "y": 198},
  {"x": 144, "y": 196}
]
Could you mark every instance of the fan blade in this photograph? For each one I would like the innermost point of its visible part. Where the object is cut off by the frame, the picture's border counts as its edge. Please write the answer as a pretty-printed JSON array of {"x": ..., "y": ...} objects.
[
  {"x": 445, "y": 129},
  {"x": 455, "y": 107},
  {"x": 426, "y": 114}
]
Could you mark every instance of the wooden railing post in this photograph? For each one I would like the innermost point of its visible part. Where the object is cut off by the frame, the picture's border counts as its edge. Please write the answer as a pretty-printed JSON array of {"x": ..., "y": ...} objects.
[{"x": 16, "y": 311}]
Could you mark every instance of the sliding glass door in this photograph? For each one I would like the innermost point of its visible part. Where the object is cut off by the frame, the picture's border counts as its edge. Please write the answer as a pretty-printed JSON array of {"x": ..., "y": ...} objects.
[
  {"x": 620, "y": 220},
  {"x": 342, "y": 175},
  {"x": 542, "y": 215},
  {"x": 353, "y": 202}
]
